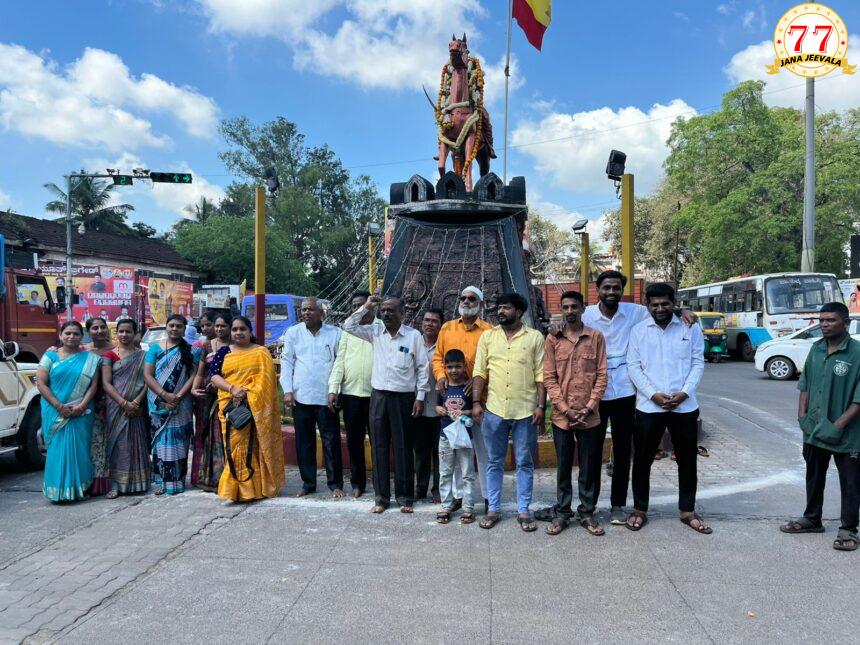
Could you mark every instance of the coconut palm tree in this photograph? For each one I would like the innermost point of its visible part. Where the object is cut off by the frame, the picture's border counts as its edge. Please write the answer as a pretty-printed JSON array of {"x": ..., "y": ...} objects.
[
  {"x": 91, "y": 206},
  {"x": 202, "y": 209}
]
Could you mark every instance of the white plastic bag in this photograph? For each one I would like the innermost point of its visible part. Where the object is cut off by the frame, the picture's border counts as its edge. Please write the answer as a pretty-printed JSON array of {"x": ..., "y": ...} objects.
[{"x": 457, "y": 435}]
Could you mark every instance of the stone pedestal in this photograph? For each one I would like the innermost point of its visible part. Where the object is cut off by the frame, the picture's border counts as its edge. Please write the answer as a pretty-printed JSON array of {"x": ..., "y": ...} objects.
[{"x": 446, "y": 239}]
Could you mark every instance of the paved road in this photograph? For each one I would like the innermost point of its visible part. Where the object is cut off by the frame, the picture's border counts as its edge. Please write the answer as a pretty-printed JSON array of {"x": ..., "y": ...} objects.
[{"x": 318, "y": 570}]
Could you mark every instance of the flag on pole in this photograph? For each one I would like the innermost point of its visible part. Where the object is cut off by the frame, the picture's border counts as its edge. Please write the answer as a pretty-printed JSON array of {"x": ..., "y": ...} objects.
[{"x": 533, "y": 17}]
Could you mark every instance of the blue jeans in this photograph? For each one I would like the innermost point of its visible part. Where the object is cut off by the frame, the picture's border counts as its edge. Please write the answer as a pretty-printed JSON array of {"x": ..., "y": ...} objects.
[{"x": 496, "y": 431}]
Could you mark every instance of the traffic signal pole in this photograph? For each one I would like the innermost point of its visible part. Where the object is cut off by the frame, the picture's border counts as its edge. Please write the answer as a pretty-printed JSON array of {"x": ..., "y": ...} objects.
[
  {"x": 260, "y": 264},
  {"x": 627, "y": 264}
]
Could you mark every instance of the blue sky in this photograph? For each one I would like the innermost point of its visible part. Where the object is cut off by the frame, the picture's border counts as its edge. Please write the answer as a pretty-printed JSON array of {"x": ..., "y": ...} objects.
[{"x": 121, "y": 83}]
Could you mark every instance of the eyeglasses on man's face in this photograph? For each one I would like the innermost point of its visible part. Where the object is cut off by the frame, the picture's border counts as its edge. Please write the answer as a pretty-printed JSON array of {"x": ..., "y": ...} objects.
[{"x": 468, "y": 298}]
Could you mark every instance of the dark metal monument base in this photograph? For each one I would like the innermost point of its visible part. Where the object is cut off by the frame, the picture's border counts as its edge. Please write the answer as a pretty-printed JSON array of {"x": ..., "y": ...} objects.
[{"x": 439, "y": 246}]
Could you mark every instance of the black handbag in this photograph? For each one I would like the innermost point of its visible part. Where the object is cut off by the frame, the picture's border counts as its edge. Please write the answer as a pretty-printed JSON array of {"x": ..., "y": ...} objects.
[{"x": 239, "y": 416}]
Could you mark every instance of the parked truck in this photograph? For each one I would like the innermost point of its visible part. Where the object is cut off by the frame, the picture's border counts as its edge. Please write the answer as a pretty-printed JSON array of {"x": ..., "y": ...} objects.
[{"x": 20, "y": 412}]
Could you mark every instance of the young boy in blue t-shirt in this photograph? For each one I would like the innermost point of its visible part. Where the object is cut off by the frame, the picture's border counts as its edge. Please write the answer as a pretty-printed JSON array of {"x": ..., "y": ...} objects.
[{"x": 454, "y": 403}]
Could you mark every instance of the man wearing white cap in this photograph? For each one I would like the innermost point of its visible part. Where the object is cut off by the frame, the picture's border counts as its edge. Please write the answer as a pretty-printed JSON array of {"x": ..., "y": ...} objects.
[{"x": 463, "y": 333}]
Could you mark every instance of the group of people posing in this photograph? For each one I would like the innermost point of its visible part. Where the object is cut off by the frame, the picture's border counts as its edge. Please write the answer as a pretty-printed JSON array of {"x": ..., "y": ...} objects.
[
  {"x": 445, "y": 402},
  {"x": 633, "y": 365},
  {"x": 118, "y": 420}
]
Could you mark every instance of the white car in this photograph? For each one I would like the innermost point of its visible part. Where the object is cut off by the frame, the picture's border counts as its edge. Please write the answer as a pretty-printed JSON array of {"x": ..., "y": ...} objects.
[
  {"x": 154, "y": 334},
  {"x": 783, "y": 358}
]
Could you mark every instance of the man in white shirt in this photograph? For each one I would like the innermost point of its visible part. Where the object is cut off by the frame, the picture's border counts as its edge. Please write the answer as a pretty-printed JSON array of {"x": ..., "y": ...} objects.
[
  {"x": 665, "y": 363},
  {"x": 400, "y": 385},
  {"x": 310, "y": 349},
  {"x": 615, "y": 319}
]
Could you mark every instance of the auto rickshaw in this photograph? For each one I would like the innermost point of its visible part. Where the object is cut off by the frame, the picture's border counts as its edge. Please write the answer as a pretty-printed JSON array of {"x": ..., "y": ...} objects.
[{"x": 714, "y": 329}]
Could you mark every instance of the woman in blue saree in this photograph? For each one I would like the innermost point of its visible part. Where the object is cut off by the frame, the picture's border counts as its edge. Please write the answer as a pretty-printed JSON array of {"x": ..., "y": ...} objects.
[
  {"x": 169, "y": 369},
  {"x": 67, "y": 379}
]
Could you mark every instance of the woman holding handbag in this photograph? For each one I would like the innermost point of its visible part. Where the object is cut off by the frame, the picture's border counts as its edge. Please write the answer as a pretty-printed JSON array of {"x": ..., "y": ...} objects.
[{"x": 244, "y": 374}]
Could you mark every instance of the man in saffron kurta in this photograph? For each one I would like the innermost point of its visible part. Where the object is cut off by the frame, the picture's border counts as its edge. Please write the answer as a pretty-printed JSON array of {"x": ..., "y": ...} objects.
[{"x": 463, "y": 333}]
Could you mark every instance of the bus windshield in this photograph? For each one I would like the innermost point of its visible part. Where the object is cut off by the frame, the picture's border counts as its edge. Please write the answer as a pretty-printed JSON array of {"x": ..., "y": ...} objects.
[
  {"x": 278, "y": 311},
  {"x": 797, "y": 294}
]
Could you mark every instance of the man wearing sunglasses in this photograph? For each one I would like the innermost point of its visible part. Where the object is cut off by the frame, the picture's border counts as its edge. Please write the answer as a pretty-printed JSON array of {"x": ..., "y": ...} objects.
[{"x": 463, "y": 333}]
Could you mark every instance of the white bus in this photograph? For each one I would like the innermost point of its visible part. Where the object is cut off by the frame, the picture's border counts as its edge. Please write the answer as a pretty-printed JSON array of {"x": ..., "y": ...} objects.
[{"x": 761, "y": 307}]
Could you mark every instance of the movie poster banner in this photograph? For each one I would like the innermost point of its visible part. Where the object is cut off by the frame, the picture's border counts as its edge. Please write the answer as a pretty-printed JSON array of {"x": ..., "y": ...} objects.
[
  {"x": 165, "y": 297},
  {"x": 851, "y": 293},
  {"x": 103, "y": 290}
]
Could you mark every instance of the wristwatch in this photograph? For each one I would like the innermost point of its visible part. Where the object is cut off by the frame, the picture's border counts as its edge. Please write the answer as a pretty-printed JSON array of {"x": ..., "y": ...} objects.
[{"x": 542, "y": 406}]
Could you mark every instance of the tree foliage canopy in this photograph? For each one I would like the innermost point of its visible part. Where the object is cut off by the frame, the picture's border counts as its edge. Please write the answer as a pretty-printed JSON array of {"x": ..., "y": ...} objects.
[
  {"x": 319, "y": 216},
  {"x": 91, "y": 206},
  {"x": 732, "y": 199}
]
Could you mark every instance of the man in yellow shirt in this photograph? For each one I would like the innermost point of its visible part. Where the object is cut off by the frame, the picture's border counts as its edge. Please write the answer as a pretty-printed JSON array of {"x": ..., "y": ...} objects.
[
  {"x": 510, "y": 357},
  {"x": 349, "y": 389},
  {"x": 463, "y": 333}
]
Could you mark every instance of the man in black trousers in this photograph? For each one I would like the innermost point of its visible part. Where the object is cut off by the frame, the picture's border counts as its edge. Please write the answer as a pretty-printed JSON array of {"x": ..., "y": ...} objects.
[{"x": 400, "y": 385}]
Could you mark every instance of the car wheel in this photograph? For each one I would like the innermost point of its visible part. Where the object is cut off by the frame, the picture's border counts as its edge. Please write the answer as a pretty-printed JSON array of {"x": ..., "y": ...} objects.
[
  {"x": 32, "y": 452},
  {"x": 780, "y": 368},
  {"x": 716, "y": 358}
]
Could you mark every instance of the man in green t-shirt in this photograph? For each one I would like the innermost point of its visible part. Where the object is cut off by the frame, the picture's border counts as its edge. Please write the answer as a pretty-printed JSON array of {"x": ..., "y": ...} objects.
[{"x": 829, "y": 415}]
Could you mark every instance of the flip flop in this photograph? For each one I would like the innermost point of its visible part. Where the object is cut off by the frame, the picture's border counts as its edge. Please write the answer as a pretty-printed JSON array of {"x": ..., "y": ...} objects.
[
  {"x": 443, "y": 517},
  {"x": 633, "y": 516},
  {"x": 556, "y": 526},
  {"x": 527, "y": 524},
  {"x": 801, "y": 525},
  {"x": 592, "y": 526},
  {"x": 846, "y": 541},
  {"x": 490, "y": 520},
  {"x": 701, "y": 528}
]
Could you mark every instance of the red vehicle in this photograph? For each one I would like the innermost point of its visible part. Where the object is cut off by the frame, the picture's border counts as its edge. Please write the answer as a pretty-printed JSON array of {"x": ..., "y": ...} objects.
[{"x": 28, "y": 315}]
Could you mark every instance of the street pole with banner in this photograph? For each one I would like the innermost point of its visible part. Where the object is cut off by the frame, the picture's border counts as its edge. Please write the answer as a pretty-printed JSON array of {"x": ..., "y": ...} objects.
[{"x": 70, "y": 289}]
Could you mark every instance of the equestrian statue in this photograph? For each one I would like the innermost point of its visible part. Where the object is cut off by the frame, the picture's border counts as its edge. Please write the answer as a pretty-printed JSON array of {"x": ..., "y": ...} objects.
[{"x": 464, "y": 123}]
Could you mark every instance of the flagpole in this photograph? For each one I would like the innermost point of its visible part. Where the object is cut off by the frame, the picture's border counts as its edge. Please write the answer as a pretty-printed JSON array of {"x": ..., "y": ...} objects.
[{"x": 507, "y": 78}]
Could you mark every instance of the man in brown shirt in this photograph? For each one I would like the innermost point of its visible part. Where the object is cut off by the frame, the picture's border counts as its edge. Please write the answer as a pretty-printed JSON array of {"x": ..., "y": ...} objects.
[{"x": 574, "y": 373}]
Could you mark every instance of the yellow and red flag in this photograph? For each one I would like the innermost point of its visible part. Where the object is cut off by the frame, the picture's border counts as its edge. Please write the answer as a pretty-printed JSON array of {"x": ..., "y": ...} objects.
[{"x": 533, "y": 17}]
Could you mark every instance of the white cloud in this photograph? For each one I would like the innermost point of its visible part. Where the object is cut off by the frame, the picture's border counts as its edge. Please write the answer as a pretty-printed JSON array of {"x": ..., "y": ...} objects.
[
  {"x": 494, "y": 81},
  {"x": 94, "y": 102},
  {"x": 565, "y": 218},
  {"x": 275, "y": 18},
  {"x": 748, "y": 19},
  {"x": 381, "y": 44},
  {"x": 836, "y": 91},
  {"x": 5, "y": 200},
  {"x": 724, "y": 9},
  {"x": 577, "y": 145}
]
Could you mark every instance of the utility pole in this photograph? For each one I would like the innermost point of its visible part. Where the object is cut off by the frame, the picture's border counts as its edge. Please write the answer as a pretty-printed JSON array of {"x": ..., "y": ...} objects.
[
  {"x": 627, "y": 264},
  {"x": 584, "y": 265},
  {"x": 373, "y": 229},
  {"x": 807, "y": 256},
  {"x": 260, "y": 264},
  {"x": 70, "y": 289}
]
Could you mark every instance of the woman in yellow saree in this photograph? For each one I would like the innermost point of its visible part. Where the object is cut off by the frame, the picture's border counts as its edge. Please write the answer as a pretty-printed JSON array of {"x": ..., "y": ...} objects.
[{"x": 243, "y": 372}]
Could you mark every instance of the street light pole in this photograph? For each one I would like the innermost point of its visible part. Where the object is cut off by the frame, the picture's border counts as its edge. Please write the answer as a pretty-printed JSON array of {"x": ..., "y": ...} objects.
[
  {"x": 584, "y": 265},
  {"x": 627, "y": 263},
  {"x": 70, "y": 290},
  {"x": 807, "y": 256}
]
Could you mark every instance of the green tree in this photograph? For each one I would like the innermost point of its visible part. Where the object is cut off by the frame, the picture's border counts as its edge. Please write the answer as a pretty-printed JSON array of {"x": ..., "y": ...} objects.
[
  {"x": 739, "y": 173},
  {"x": 144, "y": 230},
  {"x": 661, "y": 241},
  {"x": 202, "y": 209},
  {"x": 556, "y": 253},
  {"x": 320, "y": 208},
  {"x": 224, "y": 247},
  {"x": 91, "y": 206}
]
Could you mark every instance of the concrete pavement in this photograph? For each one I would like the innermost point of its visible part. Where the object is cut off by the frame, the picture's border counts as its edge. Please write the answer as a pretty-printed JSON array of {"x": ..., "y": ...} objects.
[{"x": 321, "y": 570}]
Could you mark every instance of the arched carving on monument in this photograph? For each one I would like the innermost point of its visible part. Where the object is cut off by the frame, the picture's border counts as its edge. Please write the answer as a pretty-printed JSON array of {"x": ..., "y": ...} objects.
[
  {"x": 489, "y": 188},
  {"x": 450, "y": 186},
  {"x": 419, "y": 189}
]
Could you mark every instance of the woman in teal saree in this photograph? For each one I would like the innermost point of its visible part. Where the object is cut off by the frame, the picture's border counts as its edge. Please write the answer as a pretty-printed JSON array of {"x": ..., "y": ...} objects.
[{"x": 67, "y": 379}]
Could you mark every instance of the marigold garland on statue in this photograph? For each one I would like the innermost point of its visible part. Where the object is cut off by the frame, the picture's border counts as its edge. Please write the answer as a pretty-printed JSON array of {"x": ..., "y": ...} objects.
[{"x": 444, "y": 107}]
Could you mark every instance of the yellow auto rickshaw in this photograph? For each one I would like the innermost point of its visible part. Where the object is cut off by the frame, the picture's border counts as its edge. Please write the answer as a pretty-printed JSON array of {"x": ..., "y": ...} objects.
[{"x": 714, "y": 329}]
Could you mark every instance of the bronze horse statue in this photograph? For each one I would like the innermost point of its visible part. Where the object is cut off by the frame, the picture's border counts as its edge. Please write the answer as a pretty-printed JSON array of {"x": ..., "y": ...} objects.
[{"x": 464, "y": 123}]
